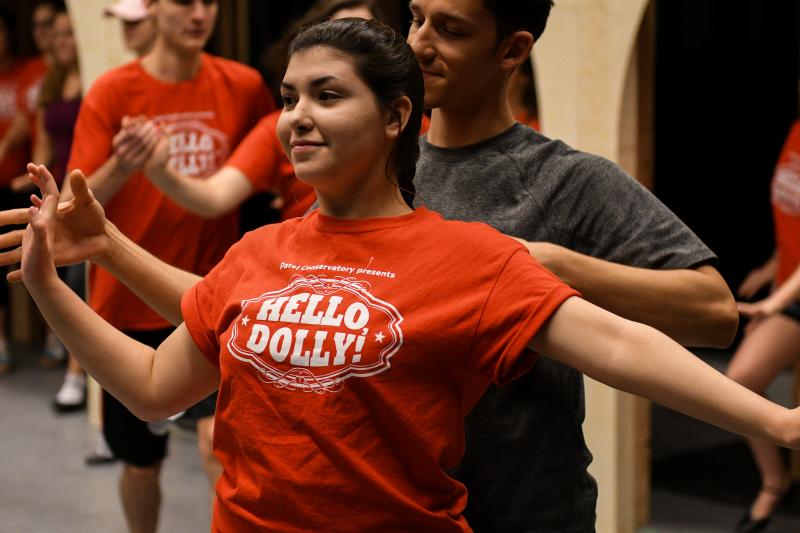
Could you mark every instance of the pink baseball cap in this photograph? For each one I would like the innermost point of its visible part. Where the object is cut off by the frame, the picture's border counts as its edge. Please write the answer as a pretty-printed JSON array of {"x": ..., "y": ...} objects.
[{"x": 127, "y": 10}]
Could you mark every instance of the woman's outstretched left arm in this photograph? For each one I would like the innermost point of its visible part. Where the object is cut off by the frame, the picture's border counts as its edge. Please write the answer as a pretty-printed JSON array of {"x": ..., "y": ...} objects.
[
  {"x": 638, "y": 359},
  {"x": 151, "y": 383}
]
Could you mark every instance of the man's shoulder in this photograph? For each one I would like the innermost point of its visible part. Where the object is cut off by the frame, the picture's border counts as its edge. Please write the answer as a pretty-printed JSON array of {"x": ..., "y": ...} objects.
[
  {"x": 119, "y": 78},
  {"x": 555, "y": 155}
]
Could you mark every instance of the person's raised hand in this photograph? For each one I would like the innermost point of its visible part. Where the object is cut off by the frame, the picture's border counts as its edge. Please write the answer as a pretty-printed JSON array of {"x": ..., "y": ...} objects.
[
  {"x": 134, "y": 143},
  {"x": 79, "y": 229},
  {"x": 155, "y": 167},
  {"x": 37, "y": 240},
  {"x": 755, "y": 280}
]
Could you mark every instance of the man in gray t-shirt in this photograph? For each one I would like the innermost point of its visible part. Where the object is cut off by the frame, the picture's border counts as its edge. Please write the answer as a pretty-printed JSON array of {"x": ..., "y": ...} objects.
[
  {"x": 583, "y": 218},
  {"x": 525, "y": 453}
]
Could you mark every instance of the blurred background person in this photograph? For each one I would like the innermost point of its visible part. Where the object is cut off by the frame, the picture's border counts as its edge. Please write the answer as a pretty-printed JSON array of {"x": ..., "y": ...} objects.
[
  {"x": 12, "y": 72},
  {"x": 138, "y": 28},
  {"x": 57, "y": 108}
]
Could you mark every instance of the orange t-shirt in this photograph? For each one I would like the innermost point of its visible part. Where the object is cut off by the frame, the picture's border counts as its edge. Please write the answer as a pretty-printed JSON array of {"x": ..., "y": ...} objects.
[
  {"x": 15, "y": 160},
  {"x": 205, "y": 118},
  {"x": 260, "y": 157},
  {"x": 786, "y": 205},
  {"x": 347, "y": 349}
]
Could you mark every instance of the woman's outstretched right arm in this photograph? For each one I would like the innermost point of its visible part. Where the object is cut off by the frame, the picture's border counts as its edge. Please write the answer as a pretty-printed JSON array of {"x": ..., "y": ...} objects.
[{"x": 152, "y": 383}]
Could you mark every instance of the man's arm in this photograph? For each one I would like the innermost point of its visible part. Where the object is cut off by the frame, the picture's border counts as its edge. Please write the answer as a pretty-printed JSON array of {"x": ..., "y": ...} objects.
[{"x": 693, "y": 306}]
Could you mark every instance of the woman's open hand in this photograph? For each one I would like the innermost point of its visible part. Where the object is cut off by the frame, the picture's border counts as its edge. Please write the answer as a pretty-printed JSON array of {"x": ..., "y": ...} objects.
[{"x": 37, "y": 240}]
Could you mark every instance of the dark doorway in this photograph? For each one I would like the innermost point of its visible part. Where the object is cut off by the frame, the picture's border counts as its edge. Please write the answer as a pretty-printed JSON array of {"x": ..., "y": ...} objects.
[{"x": 726, "y": 94}]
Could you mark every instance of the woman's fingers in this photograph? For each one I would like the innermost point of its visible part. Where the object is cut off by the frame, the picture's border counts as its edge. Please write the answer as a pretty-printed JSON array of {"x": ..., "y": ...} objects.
[{"x": 14, "y": 216}]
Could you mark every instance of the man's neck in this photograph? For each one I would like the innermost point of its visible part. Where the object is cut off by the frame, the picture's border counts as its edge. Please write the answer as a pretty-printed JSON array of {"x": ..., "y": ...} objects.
[
  {"x": 169, "y": 65},
  {"x": 453, "y": 127}
]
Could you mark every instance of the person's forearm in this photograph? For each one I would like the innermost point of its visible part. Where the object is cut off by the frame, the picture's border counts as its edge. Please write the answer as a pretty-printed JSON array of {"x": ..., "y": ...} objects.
[
  {"x": 651, "y": 365},
  {"x": 158, "y": 284},
  {"x": 126, "y": 375},
  {"x": 693, "y": 306},
  {"x": 638, "y": 359},
  {"x": 105, "y": 182},
  {"x": 194, "y": 195}
]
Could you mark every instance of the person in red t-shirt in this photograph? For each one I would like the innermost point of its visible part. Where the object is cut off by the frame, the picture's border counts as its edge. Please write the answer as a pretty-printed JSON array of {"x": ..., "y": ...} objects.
[
  {"x": 12, "y": 163},
  {"x": 23, "y": 127},
  {"x": 348, "y": 345},
  {"x": 772, "y": 339},
  {"x": 138, "y": 28},
  {"x": 205, "y": 105}
]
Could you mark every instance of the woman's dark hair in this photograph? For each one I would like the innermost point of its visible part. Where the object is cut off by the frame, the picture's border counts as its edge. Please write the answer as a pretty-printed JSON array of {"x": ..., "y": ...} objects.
[
  {"x": 55, "y": 77},
  {"x": 275, "y": 60},
  {"x": 385, "y": 62}
]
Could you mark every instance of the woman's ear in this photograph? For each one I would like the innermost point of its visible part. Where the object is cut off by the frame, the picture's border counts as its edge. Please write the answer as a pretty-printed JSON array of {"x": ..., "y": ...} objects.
[{"x": 397, "y": 118}]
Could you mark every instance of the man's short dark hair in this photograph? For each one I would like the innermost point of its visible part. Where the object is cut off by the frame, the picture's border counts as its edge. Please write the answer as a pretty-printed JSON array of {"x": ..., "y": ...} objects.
[{"x": 519, "y": 15}]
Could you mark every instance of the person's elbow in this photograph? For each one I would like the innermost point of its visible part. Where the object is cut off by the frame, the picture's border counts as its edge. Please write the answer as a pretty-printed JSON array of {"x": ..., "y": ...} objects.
[{"x": 721, "y": 318}]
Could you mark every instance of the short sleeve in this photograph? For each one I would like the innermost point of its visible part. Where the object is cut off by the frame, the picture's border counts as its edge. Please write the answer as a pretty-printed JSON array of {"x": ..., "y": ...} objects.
[
  {"x": 525, "y": 295},
  {"x": 258, "y": 155},
  {"x": 94, "y": 131},
  {"x": 203, "y": 306},
  {"x": 619, "y": 220}
]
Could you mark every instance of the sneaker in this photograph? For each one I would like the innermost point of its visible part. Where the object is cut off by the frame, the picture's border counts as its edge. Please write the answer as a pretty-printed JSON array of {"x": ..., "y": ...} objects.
[
  {"x": 161, "y": 427},
  {"x": 72, "y": 394},
  {"x": 5, "y": 357},
  {"x": 102, "y": 454},
  {"x": 54, "y": 354}
]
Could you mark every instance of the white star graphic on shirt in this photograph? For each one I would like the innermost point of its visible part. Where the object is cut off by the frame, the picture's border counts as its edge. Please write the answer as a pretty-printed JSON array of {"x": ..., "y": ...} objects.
[
  {"x": 245, "y": 320},
  {"x": 379, "y": 337}
]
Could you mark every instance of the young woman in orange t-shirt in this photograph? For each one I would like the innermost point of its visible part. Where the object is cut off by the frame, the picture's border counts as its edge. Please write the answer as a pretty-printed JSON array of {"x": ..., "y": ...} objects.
[{"x": 347, "y": 346}]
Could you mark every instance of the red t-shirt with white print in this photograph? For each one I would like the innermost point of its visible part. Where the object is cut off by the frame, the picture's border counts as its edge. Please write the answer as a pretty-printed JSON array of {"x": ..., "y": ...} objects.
[
  {"x": 10, "y": 81},
  {"x": 347, "y": 349},
  {"x": 786, "y": 205},
  {"x": 205, "y": 118}
]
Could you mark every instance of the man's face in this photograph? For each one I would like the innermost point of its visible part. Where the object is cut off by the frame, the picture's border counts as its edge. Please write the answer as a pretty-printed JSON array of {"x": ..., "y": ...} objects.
[
  {"x": 185, "y": 25},
  {"x": 455, "y": 42},
  {"x": 42, "y": 22}
]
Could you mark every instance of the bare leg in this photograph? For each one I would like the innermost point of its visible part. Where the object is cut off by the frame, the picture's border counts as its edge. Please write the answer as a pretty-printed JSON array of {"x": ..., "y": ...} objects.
[
  {"x": 140, "y": 492},
  {"x": 205, "y": 440},
  {"x": 767, "y": 350}
]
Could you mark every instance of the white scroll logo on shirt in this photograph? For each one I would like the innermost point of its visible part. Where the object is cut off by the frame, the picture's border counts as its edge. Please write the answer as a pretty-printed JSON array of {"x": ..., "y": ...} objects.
[{"x": 317, "y": 332}]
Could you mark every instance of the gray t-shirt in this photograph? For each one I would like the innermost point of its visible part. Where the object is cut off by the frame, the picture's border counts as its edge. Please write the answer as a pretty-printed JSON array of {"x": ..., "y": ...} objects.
[{"x": 526, "y": 458}]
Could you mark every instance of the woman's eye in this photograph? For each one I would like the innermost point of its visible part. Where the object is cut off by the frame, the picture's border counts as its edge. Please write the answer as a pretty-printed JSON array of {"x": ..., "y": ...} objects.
[
  {"x": 288, "y": 100},
  {"x": 416, "y": 22}
]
